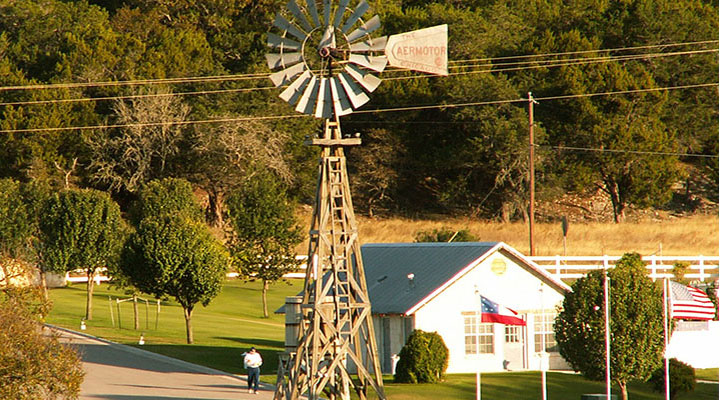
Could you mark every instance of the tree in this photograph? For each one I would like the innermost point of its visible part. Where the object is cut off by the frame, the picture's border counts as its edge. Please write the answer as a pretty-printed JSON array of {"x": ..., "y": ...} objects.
[
  {"x": 81, "y": 229},
  {"x": 265, "y": 232},
  {"x": 682, "y": 378},
  {"x": 35, "y": 365},
  {"x": 125, "y": 158},
  {"x": 166, "y": 197},
  {"x": 423, "y": 359},
  {"x": 226, "y": 156},
  {"x": 175, "y": 256},
  {"x": 15, "y": 223},
  {"x": 445, "y": 234},
  {"x": 636, "y": 324}
]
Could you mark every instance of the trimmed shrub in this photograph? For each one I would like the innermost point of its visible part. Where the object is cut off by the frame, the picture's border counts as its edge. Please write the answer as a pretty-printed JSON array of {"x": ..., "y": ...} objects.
[
  {"x": 423, "y": 359},
  {"x": 682, "y": 378}
]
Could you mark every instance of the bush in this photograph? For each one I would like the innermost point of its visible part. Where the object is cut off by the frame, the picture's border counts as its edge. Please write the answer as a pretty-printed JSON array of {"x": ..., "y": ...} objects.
[
  {"x": 682, "y": 378},
  {"x": 423, "y": 359},
  {"x": 444, "y": 235},
  {"x": 33, "y": 365}
]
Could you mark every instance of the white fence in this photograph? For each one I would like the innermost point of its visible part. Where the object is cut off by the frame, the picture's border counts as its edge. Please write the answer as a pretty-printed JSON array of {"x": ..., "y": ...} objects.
[{"x": 700, "y": 268}]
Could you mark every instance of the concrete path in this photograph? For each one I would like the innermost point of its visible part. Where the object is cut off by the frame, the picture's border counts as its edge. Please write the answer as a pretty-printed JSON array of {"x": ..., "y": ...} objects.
[{"x": 118, "y": 372}]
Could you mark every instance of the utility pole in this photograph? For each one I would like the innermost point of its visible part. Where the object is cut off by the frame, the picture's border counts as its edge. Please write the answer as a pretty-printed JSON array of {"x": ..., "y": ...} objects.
[{"x": 531, "y": 174}]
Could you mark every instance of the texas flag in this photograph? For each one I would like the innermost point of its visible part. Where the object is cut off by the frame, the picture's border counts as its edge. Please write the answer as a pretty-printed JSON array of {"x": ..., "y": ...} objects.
[{"x": 493, "y": 312}]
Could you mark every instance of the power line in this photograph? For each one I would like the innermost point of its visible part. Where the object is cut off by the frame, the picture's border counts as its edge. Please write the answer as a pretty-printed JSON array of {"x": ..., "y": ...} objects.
[
  {"x": 589, "y": 60},
  {"x": 555, "y": 63},
  {"x": 653, "y": 46},
  {"x": 654, "y": 153},
  {"x": 236, "y": 77},
  {"x": 407, "y": 108},
  {"x": 134, "y": 96},
  {"x": 550, "y": 64},
  {"x": 160, "y": 81}
]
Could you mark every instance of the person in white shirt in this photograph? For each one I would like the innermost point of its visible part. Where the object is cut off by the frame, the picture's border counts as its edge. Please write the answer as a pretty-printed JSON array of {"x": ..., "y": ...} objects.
[{"x": 252, "y": 361}]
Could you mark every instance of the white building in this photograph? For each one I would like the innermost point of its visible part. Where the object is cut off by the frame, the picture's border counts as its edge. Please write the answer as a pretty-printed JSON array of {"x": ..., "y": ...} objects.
[{"x": 434, "y": 287}]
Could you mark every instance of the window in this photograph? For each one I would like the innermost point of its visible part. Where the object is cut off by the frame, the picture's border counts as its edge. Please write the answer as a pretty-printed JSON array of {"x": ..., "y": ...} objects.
[
  {"x": 544, "y": 331},
  {"x": 512, "y": 334},
  {"x": 478, "y": 336}
]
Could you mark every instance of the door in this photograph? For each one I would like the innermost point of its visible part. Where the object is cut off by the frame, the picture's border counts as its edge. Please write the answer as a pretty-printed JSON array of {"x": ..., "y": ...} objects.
[{"x": 514, "y": 348}]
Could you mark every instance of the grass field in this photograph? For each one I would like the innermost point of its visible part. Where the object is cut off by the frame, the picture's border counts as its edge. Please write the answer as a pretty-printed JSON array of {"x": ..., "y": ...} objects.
[
  {"x": 233, "y": 322},
  {"x": 688, "y": 236}
]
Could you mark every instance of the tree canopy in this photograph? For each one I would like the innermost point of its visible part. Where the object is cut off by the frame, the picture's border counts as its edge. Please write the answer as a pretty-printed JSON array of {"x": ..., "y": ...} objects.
[
  {"x": 627, "y": 104},
  {"x": 265, "y": 232},
  {"x": 636, "y": 324},
  {"x": 171, "y": 253},
  {"x": 81, "y": 229}
]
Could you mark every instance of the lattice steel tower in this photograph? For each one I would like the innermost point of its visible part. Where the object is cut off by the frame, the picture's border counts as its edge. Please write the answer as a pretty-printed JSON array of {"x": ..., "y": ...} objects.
[{"x": 327, "y": 61}]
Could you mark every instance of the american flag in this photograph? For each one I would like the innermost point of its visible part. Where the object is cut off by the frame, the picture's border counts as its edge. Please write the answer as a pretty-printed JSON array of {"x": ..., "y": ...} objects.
[{"x": 687, "y": 302}]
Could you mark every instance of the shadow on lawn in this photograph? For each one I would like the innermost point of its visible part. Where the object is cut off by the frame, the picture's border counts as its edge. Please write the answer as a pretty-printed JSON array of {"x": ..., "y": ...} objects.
[{"x": 257, "y": 342}]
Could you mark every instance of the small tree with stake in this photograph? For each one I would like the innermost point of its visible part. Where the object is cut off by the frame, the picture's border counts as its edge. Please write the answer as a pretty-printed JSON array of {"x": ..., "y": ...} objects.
[
  {"x": 81, "y": 229},
  {"x": 636, "y": 324},
  {"x": 265, "y": 232},
  {"x": 172, "y": 252},
  {"x": 177, "y": 257}
]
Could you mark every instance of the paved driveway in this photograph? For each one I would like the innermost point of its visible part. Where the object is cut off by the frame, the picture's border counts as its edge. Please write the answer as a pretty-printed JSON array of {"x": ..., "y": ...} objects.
[{"x": 118, "y": 372}]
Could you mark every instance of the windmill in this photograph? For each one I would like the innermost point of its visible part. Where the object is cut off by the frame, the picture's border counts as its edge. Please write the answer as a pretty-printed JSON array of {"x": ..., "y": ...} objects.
[{"x": 328, "y": 58}]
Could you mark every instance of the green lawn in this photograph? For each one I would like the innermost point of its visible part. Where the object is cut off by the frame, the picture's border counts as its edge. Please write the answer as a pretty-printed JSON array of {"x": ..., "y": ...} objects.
[
  {"x": 526, "y": 385},
  {"x": 223, "y": 330},
  {"x": 233, "y": 322}
]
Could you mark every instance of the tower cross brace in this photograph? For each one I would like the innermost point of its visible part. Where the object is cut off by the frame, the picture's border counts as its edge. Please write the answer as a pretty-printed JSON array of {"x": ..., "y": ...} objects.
[{"x": 335, "y": 319}]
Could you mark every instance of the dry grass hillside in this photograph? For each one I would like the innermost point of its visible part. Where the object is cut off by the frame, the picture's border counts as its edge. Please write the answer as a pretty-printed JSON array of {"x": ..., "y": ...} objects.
[{"x": 693, "y": 235}]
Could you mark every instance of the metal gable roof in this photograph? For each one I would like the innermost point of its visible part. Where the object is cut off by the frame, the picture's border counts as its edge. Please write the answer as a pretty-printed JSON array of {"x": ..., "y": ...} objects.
[{"x": 387, "y": 267}]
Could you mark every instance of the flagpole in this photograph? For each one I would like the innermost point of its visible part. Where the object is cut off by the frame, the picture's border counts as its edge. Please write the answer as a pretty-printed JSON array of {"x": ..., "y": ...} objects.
[
  {"x": 478, "y": 394},
  {"x": 543, "y": 373},
  {"x": 608, "y": 387},
  {"x": 665, "y": 332}
]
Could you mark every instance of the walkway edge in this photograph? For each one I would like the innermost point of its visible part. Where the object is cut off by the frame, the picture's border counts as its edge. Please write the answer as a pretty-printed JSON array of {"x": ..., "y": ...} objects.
[{"x": 145, "y": 353}]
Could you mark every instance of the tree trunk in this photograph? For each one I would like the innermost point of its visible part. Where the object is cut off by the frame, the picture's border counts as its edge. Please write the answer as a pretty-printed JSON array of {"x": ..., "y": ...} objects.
[
  {"x": 266, "y": 285},
  {"x": 135, "y": 311},
  {"x": 43, "y": 284},
  {"x": 188, "y": 324},
  {"x": 623, "y": 390},
  {"x": 216, "y": 200},
  {"x": 90, "y": 289},
  {"x": 617, "y": 203}
]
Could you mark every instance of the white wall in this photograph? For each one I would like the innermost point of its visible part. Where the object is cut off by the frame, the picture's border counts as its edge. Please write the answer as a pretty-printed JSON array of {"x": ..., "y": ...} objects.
[
  {"x": 515, "y": 288},
  {"x": 700, "y": 349}
]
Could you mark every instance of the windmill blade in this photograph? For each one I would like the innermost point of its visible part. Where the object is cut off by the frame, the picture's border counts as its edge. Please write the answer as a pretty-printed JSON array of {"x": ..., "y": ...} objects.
[
  {"x": 295, "y": 90},
  {"x": 327, "y": 7},
  {"x": 284, "y": 76},
  {"x": 313, "y": 11},
  {"x": 341, "y": 104},
  {"x": 299, "y": 16},
  {"x": 279, "y": 42},
  {"x": 283, "y": 60},
  {"x": 355, "y": 93},
  {"x": 364, "y": 29},
  {"x": 339, "y": 12},
  {"x": 306, "y": 105},
  {"x": 328, "y": 38},
  {"x": 324, "y": 108},
  {"x": 369, "y": 81},
  {"x": 361, "y": 8},
  {"x": 286, "y": 25},
  {"x": 376, "y": 44},
  {"x": 374, "y": 63}
]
